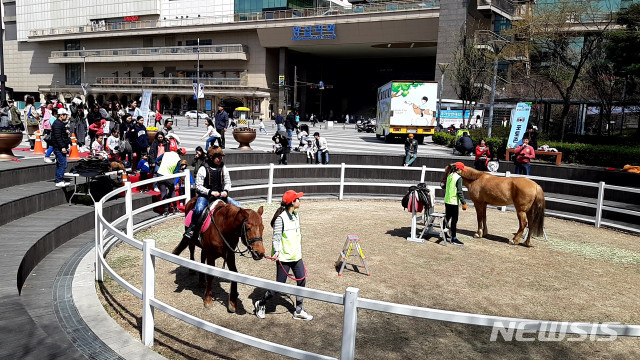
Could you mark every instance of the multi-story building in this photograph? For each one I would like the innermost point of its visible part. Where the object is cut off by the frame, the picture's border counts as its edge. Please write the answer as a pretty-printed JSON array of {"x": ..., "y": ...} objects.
[{"x": 266, "y": 55}]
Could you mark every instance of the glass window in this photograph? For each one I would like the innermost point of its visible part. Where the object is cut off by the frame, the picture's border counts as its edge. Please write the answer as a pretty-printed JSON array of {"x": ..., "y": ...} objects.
[{"x": 73, "y": 74}]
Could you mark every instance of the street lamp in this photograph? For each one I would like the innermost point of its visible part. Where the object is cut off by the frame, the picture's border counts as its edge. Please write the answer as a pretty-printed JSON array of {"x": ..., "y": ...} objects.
[
  {"x": 497, "y": 46},
  {"x": 198, "y": 87},
  {"x": 443, "y": 69}
]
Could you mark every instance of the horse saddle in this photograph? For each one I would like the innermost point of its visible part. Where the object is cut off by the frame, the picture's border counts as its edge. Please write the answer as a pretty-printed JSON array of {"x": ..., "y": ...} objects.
[{"x": 205, "y": 214}]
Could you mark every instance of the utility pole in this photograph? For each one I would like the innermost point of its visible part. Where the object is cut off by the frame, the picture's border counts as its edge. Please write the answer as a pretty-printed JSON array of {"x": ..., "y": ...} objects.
[
  {"x": 497, "y": 46},
  {"x": 84, "y": 65},
  {"x": 198, "y": 87},
  {"x": 295, "y": 86},
  {"x": 443, "y": 68}
]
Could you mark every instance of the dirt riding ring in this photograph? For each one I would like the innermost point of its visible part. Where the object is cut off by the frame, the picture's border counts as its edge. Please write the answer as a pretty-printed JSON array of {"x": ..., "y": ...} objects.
[{"x": 580, "y": 274}]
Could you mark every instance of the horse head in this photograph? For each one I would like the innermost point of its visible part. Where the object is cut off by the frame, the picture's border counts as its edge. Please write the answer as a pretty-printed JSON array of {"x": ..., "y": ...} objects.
[{"x": 251, "y": 233}]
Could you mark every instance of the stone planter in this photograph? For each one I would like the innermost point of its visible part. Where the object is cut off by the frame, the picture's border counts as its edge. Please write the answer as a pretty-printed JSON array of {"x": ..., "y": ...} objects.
[
  {"x": 244, "y": 138},
  {"x": 7, "y": 142},
  {"x": 152, "y": 136}
]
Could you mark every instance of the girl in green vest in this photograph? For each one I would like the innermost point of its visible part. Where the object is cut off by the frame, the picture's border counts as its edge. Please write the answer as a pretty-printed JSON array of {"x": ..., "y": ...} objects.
[
  {"x": 453, "y": 196},
  {"x": 287, "y": 251}
]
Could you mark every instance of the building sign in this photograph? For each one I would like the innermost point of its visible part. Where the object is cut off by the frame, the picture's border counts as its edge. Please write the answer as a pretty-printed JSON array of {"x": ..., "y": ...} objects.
[
  {"x": 281, "y": 80},
  {"x": 519, "y": 126},
  {"x": 314, "y": 32},
  {"x": 131, "y": 18}
]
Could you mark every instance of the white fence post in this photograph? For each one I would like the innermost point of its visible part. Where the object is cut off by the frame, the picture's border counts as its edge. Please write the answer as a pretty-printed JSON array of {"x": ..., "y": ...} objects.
[
  {"x": 270, "y": 188},
  {"x": 599, "y": 203},
  {"x": 423, "y": 173},
  {"x": 148, "y": 291},
  {"x": 342, "y": 167},
  {"x": 98, "y": 245},
  {"x": 187, "y": 186},
  {"x": 128, "y": 205},
  {"x": 349, "y": 324}
]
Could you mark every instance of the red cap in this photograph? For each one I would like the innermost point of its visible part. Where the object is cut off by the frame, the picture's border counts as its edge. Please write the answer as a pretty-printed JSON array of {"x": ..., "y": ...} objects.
[
  {"x": 459, "y": 165},
  {"x": 290, "y": 196}
]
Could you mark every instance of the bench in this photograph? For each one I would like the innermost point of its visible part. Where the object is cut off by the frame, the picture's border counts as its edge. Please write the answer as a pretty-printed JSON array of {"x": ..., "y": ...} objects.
[{"x": 557, "y": 154}]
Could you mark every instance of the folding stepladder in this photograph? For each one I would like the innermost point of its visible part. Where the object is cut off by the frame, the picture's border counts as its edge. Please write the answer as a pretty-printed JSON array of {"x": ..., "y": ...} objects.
[
  {"x": 434, "y": 223},
  {"x": 352, "y": 243}
]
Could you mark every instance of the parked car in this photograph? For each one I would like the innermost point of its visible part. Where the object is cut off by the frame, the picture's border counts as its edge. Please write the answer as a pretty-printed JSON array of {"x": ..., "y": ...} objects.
[{"x": 192, "y": 115}]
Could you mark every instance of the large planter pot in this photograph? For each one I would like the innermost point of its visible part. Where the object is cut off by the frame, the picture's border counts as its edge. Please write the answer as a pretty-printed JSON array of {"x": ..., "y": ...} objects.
[
  {"x": 7, "y": 142},
  {"x": 244, "y": 138},
  {"x": 152, "y": 136}
]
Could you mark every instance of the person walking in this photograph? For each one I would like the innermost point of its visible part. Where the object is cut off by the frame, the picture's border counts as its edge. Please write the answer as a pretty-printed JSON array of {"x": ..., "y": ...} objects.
[
  {"x": 482, "y": 156},
  {"x": 286, "y": 251},
  {"x": 279, "y": 120},
  {"x": 523, "y": 154},
  {"x": 290, "y": 125},
  {"x": 410, "y": 150},
  {"x": 61, "y": 142},
  {"x": 262, "y": 128},
  {"x": 453, "y": 196},
  {"x": 222, "y": 122}
]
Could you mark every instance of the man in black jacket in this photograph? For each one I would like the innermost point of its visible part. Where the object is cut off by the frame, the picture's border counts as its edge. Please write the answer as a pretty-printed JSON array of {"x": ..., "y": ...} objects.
[
  {"x": 221, "y": 123},
  {"x": 464, "y": 145},
  {"x": 290, "y": 124},
  {"x": 61, "y": 142}
]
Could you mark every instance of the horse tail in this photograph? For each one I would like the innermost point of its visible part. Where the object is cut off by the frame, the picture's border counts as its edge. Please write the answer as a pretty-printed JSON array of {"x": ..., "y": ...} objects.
[
  {"x": 181, "y": 246},
  {"x": 536, "y": 212}
]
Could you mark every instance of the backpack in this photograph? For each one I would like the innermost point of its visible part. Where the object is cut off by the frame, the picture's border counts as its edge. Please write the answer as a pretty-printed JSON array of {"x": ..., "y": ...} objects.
[
  {"x": 173, "y": 144},
  {"x": 417, "y": 198}
]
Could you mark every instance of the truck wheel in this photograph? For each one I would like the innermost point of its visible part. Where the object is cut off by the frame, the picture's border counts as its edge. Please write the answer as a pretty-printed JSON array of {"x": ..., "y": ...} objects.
[
  {"x": 378, "y": 136},
  {"x": 388, "y": 138},
  {"x": 420, "y": 139}
]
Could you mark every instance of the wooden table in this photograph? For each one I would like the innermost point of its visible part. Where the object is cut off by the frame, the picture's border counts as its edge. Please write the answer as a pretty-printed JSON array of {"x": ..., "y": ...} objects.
[{"x": 557, "y": 154}]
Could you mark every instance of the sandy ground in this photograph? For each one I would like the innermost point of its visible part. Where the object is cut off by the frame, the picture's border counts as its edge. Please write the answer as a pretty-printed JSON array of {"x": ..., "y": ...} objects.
[{"x": 581, "y": 274}]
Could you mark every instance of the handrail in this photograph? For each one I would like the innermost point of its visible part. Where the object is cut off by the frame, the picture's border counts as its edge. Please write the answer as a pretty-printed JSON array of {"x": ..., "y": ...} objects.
[
  {"x": 143, "y": 51},
  {"x": 107, "y": 232}
]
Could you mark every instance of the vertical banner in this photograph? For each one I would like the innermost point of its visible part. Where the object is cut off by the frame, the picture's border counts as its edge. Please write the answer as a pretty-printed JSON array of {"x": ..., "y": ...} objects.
[
  {"x": 195, "y": 90},
  {"x": 144, "y": 107},
  {"x": 519, "y": 127},
  {"x": 208, "y": 105},
  {"x": 84, "y": 88},
  {"x": 200, "y": 91}
]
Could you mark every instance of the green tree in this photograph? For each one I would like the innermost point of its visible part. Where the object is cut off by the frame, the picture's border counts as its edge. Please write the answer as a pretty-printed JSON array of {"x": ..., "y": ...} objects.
[{"x": 624, "y": 41}]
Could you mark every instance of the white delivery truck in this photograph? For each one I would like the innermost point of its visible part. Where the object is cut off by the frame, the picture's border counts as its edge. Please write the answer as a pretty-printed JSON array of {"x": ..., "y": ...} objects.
[{"x": 406, "y": 107}]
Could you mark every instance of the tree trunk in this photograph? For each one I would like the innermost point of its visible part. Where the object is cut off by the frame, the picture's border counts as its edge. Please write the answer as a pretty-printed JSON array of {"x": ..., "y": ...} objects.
[{"x": 564, "y": 117}]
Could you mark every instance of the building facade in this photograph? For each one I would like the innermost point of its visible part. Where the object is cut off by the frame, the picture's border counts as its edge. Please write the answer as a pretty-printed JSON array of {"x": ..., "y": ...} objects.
[{"x": 326, "y": 57}]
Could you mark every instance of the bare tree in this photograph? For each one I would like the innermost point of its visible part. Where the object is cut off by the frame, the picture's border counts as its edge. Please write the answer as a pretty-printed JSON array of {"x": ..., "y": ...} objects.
[
  {"x": 562, "y": 36},
  {"x": 471, "y": 72}
]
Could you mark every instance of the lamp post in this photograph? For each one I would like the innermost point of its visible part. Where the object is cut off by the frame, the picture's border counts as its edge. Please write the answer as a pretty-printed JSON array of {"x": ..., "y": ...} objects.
[
  {"x": 3, "y": 77},
  {"x": 443, "y": 69},
  {"x": 497, "y": 46},
  {"x": 198, "y": 87},
  {"x": 84, "y": 65}
]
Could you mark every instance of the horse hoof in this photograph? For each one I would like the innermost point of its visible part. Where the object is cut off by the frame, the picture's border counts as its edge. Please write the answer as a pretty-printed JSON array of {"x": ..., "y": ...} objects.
[
  {"x": 231, "y": 308},
  {"x": 208, "y": 304},
  {"x": 476, "y": 235}
]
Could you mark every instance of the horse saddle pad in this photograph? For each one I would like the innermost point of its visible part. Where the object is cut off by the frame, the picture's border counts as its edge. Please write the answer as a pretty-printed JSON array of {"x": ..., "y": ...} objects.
[{"x": 207, "y": 220}]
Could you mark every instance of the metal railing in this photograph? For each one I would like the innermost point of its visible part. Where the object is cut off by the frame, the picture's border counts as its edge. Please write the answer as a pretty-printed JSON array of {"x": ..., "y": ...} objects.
[
  {"x": 242, "y": 17},
  {"x": 108, "y": 234},
  {"x": 176, "y": 81},
  {"x": 147, "y": 51}
]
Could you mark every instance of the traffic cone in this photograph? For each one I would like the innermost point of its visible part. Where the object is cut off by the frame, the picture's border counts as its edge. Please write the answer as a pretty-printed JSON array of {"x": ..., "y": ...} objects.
[
  {"x": 74, "y": 154},
  {"x": 125, "y": 177},
  {"x": 38, "y": 150}
]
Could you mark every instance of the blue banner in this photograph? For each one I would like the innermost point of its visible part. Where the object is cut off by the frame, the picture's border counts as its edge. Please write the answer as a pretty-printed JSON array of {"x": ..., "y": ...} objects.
[{"x": 519, "y": 127}]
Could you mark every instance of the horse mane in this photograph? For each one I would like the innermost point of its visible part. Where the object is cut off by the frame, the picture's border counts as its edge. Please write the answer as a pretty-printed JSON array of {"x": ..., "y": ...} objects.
[{"x": 471, "y": 174}]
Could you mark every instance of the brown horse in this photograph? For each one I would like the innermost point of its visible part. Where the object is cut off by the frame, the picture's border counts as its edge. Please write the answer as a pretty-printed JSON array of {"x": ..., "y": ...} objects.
[
  {"x": 229, "y": 224},
  {"x": 524, "y": 194}
]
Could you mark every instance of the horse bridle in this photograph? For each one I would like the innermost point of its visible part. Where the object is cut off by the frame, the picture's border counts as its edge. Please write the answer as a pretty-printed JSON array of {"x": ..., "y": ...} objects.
[{"x": 243, "y": 237}]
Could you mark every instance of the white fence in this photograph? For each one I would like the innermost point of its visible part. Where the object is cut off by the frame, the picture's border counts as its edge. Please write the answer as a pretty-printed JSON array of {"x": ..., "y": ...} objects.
[{"x": 107, "y": 234}]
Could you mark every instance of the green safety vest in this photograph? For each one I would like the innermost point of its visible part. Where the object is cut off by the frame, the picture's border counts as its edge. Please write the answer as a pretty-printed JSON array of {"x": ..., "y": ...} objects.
[
  {"x": 169, "y": 162},
  {"x": 451, "y": 191},
  {"x": 291, "y": 240}
]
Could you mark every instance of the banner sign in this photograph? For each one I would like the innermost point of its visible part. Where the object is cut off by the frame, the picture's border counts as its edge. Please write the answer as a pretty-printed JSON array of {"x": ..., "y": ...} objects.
[
  {"x": 84, "y": 88},
  {"x": 200, "y": 91},
  {"x": 454, "y": 117},
  {"x": 144, "y": 107},
  {"x": 519, "y": 126},
  {"x": 314, "y": 32}
]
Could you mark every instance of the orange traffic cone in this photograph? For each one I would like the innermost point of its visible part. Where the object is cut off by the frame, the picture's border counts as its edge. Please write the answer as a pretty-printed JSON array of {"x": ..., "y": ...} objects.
[
  {"x": 38, "y": 150},
  {"x": 125, "y": 177},
  {"x": 74, "y": 154}
]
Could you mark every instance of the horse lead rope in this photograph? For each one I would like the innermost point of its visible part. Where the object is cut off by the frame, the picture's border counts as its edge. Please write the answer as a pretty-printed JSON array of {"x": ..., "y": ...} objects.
[{"x": 286, "y": 272}]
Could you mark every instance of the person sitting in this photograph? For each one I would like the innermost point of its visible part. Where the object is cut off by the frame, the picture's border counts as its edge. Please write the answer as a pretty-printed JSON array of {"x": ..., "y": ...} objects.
[
  {"x": 212, "y": 183},
  {"x": 482, "y": 156},
  {"x": 410, "y": 150},
  {"x": 97, "y": 148},
  {"x": 310, "y": 150},
  {"x": 303, "y": 134},
  {"x": 322, "y": 153},
  {"x": 464, "y": 145},
  {"x": 113, "y": 145}
]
